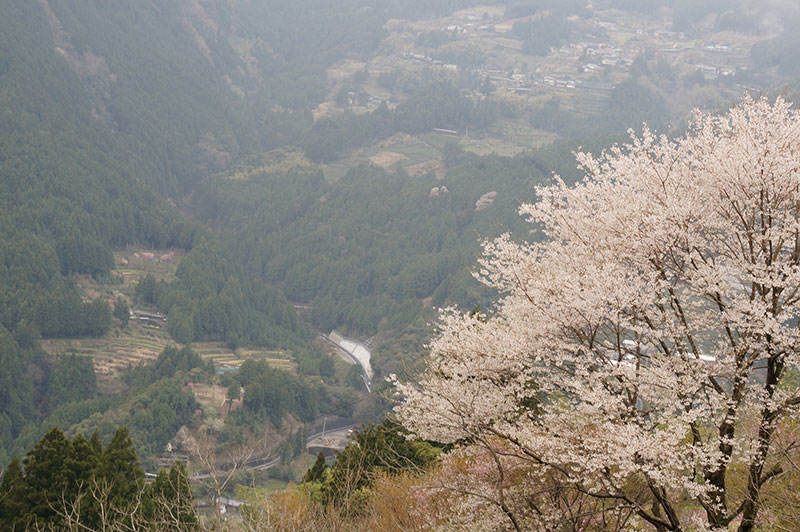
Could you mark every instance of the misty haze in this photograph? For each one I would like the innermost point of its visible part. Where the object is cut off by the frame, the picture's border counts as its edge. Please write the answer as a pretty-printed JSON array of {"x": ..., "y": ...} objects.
[{"x": 399, "y": 265}]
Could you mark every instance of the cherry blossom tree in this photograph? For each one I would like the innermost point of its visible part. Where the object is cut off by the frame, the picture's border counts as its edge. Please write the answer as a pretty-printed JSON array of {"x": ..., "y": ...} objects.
[{"x": 646, "y": 351}]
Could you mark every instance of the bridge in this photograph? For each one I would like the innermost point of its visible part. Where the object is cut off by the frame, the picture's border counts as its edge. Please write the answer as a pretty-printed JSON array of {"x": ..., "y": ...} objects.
[{"x": 334, "y": 438}]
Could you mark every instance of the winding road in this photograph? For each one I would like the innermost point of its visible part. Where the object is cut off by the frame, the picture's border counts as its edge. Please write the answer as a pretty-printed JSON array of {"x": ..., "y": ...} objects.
[{"x": 334, "y": 438}]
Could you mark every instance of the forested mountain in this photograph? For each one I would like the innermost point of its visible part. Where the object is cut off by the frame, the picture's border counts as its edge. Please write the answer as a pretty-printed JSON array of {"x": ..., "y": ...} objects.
[
  {"x": 312, "y": 164},
  {"x": 364, "y": 252},
  {"x": 107, "y": 112},
  {"x": 104, "y": 105}
]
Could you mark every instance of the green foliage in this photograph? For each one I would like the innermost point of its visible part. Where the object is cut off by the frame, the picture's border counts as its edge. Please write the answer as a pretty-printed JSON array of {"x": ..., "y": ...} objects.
[
  {"x": 234, "y": 392},
  {"x": 211, "y": 301},
  {"x": 330, "y": 138},
  {"x": 780, "y": 51},
  {"x": 146, "y": 289},
  {"x": 525, "y": 8},
  {"x": 119, "y": 467},
  {"x": 122, "y": 312},
  {"x": 632, "y": 104},
  {"x": 271, "y": 393},
  {"x": 99, "y": 133},
  {"x": 67, "y": 193},
  {"x": 315, "y": 474},
  {"x": 383, "y": 447},
  {"x": 367, "y": 252},
  {"x": 153, "y": 414},
  {"x": 694, "y": 78},
  {"x": 83, "y": 319},
  {"x": 46, "y": 478},
  {"x": 171, "y": 361},
  {"x": 542, "y": 33},
  {"x": 353, "y": 377},
  {"x": 435, "y": 105},
  {"x": 327, "y": 368},
  {"x": 379, "y": 242},
  {"x": 27, "y": 335},
  {"x": 155, "y": 405},
  {"x": 86, "y": 145},
  {"x": 169, "y": 501},
  {"x": 298, "y": 442},
  {"x": 685, "y": 13},
  {"x": 105, "y": 484},
  {"x": 72, "y": 379},
  {"x": 464, "y": 54},
  {"x": 439, "y": 105},
  {"x": 11, "y": 504},
  {"x": 433, "y": 39},
  {"x": 90, "y": 153},
  {"x": 16, "y": 393},
  {"x": 741, "y": 20},
  {"x": 551, "y": 117}
]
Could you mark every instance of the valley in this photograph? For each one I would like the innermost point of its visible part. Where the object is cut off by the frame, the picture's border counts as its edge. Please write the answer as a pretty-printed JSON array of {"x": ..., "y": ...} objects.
[{"x": 231, "y": 226}]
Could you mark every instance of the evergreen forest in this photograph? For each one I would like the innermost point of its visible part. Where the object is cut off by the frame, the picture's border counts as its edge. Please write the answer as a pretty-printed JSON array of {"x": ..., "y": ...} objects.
[{"x": 194, "y": 194}]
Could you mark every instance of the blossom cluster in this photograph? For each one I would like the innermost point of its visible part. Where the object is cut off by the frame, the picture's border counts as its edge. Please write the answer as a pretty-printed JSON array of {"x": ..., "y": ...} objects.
[{"x": 643, "y": 346}]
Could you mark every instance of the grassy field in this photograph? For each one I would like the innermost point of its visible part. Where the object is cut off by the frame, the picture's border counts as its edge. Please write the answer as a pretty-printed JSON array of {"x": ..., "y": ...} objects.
[
  {"x": 423, "y": 153},
  {"x": 406, "y": 150},
  {"x": 508, "y": 138}
]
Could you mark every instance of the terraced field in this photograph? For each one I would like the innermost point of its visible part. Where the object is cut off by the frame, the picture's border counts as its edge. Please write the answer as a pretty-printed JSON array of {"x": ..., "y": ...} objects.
[
  {"x": 409, "y": 151},
  {"x": 121, "y": 348},
  {"x": 140, "y": 342},
  {"x": 226, "y": 359},
  {"x": 135, "y": 263},
  {"x": 508, "y": 138}
]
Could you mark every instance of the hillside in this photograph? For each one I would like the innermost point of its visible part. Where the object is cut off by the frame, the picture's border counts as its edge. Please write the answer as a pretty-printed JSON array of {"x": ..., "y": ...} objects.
[
  {"x": 111, "y": 115},
  {"x": 192, "y": 190}
]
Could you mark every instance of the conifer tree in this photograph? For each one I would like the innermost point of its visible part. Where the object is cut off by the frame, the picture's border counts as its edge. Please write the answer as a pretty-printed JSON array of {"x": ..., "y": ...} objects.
[
  {"x": 119, "y": 468},
  {"x": 96, "y": 444},
  {"x": 170, "y": 501},
  {"x": 11, "y": 507},
  {"x": 46, "y": 479},
  {"x": 122, "y": 311},
  {"x": 81, "y": 466},
  {"x": 78, "y": 485},
  {"x": 315, "y": 473}
]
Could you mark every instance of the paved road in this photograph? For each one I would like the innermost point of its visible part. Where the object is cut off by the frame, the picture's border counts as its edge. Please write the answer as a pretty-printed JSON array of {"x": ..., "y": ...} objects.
[
  {"x": 335, "y": 438},
  {"x": 364, "y": 373}
]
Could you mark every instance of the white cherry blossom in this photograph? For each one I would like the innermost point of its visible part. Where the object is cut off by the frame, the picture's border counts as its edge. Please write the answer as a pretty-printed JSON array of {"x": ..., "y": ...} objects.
[{"x": 641, "y": 349}]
